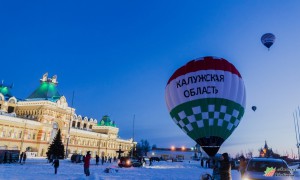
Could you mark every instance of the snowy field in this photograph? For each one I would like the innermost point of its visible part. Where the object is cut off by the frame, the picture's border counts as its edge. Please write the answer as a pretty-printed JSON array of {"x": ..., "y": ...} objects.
[{"x": 38, "y": 168}]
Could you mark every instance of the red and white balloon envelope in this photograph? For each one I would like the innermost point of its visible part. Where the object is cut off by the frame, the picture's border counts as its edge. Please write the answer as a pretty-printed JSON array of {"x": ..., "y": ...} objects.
[{"x": 206, "y": 99}]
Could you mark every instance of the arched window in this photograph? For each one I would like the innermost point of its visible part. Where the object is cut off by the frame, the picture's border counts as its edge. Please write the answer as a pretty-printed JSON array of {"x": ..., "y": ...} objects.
[
  {"x": 3, "y": 133},
  {"x": 12, "y": 100},
  {"x": 20, "y": 134}
]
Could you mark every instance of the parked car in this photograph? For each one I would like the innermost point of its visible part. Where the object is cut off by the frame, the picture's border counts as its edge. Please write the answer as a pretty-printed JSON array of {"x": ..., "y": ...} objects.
[
  {"x": 136, "y": 163},
  {"x": 129, "y": 162},
  {"x": 155, "y": 159},
  {"x": 267, "y": 168},
  {"x": 178, "y": 159},
  {"x": 76, "y": 158}
]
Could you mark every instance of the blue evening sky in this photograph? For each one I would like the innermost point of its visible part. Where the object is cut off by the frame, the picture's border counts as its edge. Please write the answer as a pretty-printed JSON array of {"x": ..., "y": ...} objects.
[{"x": 118, "y": 56}]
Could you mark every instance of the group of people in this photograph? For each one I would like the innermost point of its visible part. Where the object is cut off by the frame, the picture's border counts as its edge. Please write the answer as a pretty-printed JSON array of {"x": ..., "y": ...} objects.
[
  {"x": 222, "y": 167},
  {"x": 86, "y": 165},
  {"x": 207, "y": 163},
  {"x": 104, "y": 159}
]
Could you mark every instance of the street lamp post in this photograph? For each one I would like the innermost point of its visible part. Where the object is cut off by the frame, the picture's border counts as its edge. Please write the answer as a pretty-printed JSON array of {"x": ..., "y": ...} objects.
[
  {"x": 70, "y": 121},
  {"x": 297, "y": 131},
  {"x": 68, "y": 136},
  {"x": 99, "y": 144},
  {"x": 106, "y": 148},
  {"x": 133, "y": 145},
  {"x": 23, "y": 135}
]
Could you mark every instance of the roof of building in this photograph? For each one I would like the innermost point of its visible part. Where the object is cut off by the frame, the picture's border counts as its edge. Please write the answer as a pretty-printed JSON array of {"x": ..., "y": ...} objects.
[
  {"x": 106, "y": 121},
  {"x": 46, "y": 91}
]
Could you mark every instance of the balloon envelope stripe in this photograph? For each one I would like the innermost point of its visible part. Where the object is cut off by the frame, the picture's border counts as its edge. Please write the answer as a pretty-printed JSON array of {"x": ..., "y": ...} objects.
[
  {"x": 208, "y": 63},
  {"x": 221, "y": 122},
  {"x": 175, "y": 94}
]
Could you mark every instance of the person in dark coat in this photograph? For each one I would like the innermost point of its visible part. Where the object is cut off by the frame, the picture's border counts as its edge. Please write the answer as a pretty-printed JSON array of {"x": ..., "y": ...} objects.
[
  {"x": 24, "y": 157},
  {"x": 97, "y": 159},
  {"x": 87, "y": 163},
  {"x": 208, "y": 163},
  {"x": 21, "y": 157},
  {"x": 102, "y": 160},
  {"x": 225, "y": 167},
  {"x": 10, "y": 158},
  {"x": 216, "y": 168},
  {"x": 56, "y": 165},
  {"x": 5, "y": 158},
  {"x": 202, "y": 163}
]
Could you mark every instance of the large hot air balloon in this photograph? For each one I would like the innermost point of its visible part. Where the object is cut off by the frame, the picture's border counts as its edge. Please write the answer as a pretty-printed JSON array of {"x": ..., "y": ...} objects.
[
  {"x": 268, "y": 39},
  {"x": 254, "y": 108},
  {"x": 206, "y": 99}
]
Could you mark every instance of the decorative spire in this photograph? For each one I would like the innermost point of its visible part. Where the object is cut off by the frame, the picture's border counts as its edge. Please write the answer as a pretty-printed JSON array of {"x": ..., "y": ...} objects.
[
  {"x": 54, "y": 79},
  {"x": 44, "y": 78},
  {"x": 266, "y": 145}
]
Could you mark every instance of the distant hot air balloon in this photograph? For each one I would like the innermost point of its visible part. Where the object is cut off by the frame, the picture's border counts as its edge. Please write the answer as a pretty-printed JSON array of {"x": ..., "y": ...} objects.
[
  {"x": 206, "y": 99},
  {"x": 254, "y": 108},
  {"x": 268, "y": 39}
]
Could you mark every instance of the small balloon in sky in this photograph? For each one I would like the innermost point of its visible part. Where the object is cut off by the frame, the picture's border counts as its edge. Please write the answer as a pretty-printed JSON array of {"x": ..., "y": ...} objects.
[
  {"x": 254, "y": 108},
  {"x": 268, "y": 39}
]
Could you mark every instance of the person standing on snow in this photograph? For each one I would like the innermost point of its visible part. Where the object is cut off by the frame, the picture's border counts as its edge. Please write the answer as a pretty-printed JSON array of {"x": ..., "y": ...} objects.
[
  {"x": 56, "y": 165},
  {"x": 225, "y": 167},
  {"x": 97, "y": 159},
  {"x": 242, "y": 166},
  {"x": 102, "y": 160},
  {"x": 24, "y": 157},
  {"x": 87, "y": 164},
  {"x": 21, "y": 157}
]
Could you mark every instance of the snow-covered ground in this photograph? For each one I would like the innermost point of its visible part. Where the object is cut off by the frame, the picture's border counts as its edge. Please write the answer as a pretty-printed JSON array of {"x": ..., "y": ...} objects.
[{"x": 38, "y": 168}]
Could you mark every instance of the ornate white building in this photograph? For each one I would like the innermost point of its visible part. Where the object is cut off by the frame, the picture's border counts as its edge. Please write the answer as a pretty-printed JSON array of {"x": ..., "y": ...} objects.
[{"x": 32, "y": 123}]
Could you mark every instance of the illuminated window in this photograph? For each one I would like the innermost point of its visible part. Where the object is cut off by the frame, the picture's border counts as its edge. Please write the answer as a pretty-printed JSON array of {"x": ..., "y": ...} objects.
[
  {"x": 20, "y": 134},
  {"x": 3, "y": 133}
]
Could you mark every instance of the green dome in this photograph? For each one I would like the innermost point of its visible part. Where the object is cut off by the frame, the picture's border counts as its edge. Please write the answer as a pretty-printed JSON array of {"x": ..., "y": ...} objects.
[
  {"x": 106, "y": 121},
  {"x": 5, "y": 90},
  {"x": 46, "y": 91}
]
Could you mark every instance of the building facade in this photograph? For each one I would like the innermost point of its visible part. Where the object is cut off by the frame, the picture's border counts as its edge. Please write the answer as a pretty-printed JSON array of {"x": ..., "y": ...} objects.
[{"x": 31, "y": 124}]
